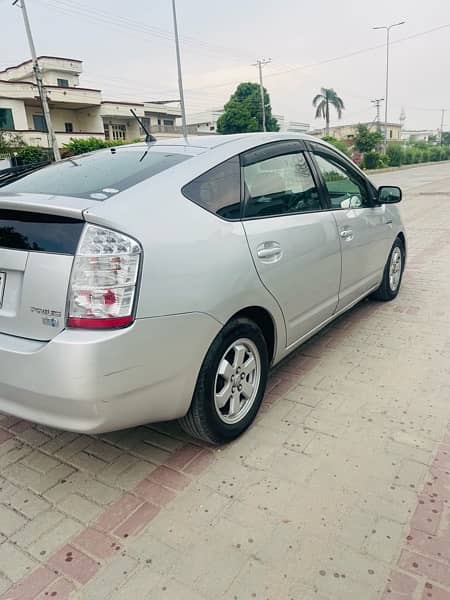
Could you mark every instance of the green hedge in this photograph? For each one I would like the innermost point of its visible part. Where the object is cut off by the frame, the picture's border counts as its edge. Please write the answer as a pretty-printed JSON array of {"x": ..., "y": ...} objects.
[{"x": 397, "y": 155}]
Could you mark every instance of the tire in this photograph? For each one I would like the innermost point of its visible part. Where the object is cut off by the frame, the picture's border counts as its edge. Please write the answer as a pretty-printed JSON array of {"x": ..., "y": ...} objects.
[
  {"x": 391, "y": 282},
  {"x": 227, "y": 396}
]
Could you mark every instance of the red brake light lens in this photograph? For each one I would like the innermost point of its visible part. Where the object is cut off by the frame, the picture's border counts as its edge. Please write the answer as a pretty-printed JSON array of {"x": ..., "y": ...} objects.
[{"x": 104, "y": 278}]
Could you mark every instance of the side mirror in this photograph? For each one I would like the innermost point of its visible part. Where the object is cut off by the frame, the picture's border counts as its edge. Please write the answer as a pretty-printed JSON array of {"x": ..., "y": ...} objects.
[{"x": 389, "y": 194}]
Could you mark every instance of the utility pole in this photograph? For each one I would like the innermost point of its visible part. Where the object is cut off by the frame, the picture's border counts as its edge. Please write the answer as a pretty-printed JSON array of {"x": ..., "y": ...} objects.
[
  {"x": 52, "y": 141},
  {"x": 443, "y": 111},
  {"x": 377, "y": 102},
  {"x": 260, "y": 63},
  {"x": 388, "y": 31},
  {"x": 180, "y": 78}
]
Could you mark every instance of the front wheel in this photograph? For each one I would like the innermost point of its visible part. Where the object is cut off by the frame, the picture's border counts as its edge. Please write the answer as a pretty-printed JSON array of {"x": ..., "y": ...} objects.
[
  {"x": 393, "y": 273},
  {"x": 231, "y": 384}
]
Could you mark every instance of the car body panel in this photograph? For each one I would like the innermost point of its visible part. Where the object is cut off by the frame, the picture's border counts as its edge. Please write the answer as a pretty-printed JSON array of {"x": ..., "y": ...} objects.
[
  {"x": 363, "y": 250},
  {"x": 91, "y": 381},
  {"x": 305, "y": 276}
]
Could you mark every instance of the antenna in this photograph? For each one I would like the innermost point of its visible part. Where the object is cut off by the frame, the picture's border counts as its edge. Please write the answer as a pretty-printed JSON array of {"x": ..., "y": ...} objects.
[{"x": 148, "y": 136}]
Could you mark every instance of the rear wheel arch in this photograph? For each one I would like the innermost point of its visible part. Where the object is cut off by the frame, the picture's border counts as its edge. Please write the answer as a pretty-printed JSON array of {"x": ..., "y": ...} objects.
[{"x": 265, "y": 321}]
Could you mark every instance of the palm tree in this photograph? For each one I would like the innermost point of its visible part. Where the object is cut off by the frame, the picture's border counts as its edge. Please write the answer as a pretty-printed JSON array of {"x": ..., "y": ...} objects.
[{"x": 322, "y": 104}]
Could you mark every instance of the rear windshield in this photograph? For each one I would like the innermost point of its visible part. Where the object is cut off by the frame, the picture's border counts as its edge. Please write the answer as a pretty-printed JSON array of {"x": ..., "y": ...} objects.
[{"x": 98, "y": 175}]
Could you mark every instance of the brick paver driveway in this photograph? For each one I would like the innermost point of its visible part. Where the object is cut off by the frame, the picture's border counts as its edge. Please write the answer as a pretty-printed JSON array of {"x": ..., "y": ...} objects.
[{"x": 341, "y": 490}]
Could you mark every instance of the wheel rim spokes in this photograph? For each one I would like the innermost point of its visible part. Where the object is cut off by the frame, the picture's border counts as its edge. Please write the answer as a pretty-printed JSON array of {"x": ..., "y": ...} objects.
[
  {"x": 237, "y": 381},
  {"x": 395, "y": 269}
]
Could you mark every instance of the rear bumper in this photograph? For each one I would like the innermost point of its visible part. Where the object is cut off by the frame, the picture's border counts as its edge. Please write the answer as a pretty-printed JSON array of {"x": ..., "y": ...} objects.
[{"x": 96, "y": 381}]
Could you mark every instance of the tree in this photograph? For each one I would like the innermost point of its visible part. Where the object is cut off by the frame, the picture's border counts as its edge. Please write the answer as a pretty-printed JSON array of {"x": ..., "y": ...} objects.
[
  {"x": 446, "y": 137},
  {"x": 243, "y": 112},
  {"x": 322, "y": 102},
  {"x": 366, "y": 140}
]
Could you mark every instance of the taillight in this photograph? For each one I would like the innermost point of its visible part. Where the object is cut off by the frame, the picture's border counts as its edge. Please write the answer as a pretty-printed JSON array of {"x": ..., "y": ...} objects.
[{"x": 103, "y": 282}]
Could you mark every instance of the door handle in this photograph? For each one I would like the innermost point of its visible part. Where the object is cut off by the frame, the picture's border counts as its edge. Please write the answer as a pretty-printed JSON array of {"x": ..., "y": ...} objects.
[
  {"x": 347, "y": 234},
  {"x": 269, "y": 251}
]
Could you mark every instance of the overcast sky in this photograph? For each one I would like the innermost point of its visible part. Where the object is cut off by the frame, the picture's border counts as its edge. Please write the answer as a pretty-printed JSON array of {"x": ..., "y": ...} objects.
[{"x": 128, "y": 51}]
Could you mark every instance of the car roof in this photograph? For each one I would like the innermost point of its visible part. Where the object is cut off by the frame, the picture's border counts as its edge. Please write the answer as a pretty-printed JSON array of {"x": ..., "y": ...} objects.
[{"x": 209, "y": 142}]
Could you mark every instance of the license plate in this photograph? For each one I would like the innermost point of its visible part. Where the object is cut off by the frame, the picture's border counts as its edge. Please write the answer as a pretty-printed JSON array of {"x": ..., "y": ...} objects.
[{"x": 2, "y": 287}]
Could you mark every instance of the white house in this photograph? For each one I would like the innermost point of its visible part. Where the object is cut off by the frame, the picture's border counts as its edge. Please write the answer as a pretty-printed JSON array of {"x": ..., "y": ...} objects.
[
  {"x": 76, "y": 112},
  {"x": 419, "y": 135},
  {"x": 206, "y": 122}
]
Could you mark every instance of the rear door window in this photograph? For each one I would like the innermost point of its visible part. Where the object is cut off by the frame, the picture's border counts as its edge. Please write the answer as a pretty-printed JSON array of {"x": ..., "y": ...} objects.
[
  {"x": 97, "y": 175},
  {"x": 218, "y": 190},
  {"x": 279, "y": 185}
]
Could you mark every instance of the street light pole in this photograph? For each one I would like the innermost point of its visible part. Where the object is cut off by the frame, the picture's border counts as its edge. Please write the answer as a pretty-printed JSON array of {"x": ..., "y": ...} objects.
[
  {"x": 52, "y": 141},
  {"x": 260, "y": 63},
  {"x": 386, "y": 97},
  {"x": 180, "y": 78}
]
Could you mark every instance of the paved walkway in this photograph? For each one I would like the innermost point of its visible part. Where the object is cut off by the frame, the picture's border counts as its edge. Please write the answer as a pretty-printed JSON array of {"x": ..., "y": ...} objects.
[{"x": 341, "y": 490}]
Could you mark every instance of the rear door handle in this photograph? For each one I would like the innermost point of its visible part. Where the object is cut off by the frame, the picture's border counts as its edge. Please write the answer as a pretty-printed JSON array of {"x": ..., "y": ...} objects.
[
  {"x": 269, "y": 251},
  {"x": 347, "y": 234}
]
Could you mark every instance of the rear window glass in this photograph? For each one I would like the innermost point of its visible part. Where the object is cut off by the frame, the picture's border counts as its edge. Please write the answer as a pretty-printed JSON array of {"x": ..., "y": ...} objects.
[
  {"x": 98, "y": 175},
  {"x": 218, "y": 190},
  {"x": 20, "y": 230}
]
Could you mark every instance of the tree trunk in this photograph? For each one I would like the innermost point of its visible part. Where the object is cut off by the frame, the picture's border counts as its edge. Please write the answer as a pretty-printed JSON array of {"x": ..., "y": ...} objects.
[{"x": 327, "y": 119}]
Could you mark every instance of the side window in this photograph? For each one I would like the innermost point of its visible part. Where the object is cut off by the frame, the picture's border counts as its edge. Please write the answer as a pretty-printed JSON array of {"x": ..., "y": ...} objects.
[
  {"x": 345, "y": 189},
  {"x": 280, "y": 185},
  {"x": 218, "y": 190}
]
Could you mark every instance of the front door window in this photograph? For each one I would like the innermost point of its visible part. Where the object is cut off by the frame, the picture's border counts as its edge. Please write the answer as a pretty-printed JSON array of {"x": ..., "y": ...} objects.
[{"x": 345, "y": 189}]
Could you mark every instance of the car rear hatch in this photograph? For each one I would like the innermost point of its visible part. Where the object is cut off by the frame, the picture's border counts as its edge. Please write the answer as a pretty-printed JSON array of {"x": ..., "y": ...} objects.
[{"x": 38, "y": 239}]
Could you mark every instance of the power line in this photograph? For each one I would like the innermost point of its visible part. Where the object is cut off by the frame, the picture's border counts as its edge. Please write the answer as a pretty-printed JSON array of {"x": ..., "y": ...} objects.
[
  {"x": 125, "y": 23},
  {"x": 342, "y": 56}
]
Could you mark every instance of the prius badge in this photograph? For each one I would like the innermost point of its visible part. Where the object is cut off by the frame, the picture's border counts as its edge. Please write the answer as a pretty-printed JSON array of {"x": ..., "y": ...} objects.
[{"x": 50, "y": 318}]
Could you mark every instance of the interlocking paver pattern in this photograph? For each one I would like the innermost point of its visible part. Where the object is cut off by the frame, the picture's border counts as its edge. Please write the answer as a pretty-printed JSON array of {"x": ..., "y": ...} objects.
[{"x": 341, "y": 489}]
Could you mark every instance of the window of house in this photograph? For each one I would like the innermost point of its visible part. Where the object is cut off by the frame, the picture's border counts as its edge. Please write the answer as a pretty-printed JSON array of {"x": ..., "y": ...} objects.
[
  {"x": 390, "y": 133},
  {"x": 345, "y": 188},
  {"x": 218, "y": 190},
  {"x": 119, "y": 131},
  {"x": 279, "y": 185},
  {"x": 63, "y": 82},
  {"x": 169, "y": 122},
  {"x": 68, "y": 127},
  {"x": 6, "y": 118},
  {"x": 106, "y": 130},
  {"x": 39, "y": 123}
]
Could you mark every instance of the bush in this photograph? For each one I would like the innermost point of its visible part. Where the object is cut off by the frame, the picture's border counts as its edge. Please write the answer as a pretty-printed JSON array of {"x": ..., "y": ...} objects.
[
  {"x": 27, "y": 155},
  {"x": 425, "y": 155},
  {"x": 410, "y": 156},
  {"x": 80, "y": 146},
  {"x": 395, "y": 155},
  {"x": 435, "y": 153},
  {"x": 445, "y": 152},
  {"x": 339, "y": 144},
  {"x": 372, "y": 160}
]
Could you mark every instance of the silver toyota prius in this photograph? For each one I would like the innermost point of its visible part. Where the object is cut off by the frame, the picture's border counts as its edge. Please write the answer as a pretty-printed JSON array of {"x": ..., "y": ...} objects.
[{"x": 161, "y": 281}]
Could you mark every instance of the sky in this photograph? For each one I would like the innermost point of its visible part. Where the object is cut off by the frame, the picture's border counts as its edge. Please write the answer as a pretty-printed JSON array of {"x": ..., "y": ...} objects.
[{"x": 128, "y": 51}]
